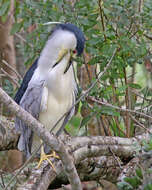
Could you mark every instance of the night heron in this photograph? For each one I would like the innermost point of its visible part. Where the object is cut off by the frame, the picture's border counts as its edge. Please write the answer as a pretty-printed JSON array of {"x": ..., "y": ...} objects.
[{"x": 49, "y": 89}]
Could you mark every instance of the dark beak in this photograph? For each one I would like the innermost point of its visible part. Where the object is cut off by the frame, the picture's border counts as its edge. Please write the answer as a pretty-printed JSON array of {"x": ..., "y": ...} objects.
[{"x": 68, "y": 65}]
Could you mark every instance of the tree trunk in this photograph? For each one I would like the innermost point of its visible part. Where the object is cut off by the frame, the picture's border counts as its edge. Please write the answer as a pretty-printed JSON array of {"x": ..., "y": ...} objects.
[
  {"x": 7, "y": 67},
  {"x": 7, "y": 48}
]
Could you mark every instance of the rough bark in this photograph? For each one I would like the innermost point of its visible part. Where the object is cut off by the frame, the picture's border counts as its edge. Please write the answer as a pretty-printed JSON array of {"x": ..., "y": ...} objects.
[
  {"x": 95, "y": 168},
  {"x": 7, "y": 49}
]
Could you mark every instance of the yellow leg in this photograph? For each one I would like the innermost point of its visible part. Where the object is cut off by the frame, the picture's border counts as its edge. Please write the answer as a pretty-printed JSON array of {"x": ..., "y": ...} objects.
[{"x": 46, "y": 157}]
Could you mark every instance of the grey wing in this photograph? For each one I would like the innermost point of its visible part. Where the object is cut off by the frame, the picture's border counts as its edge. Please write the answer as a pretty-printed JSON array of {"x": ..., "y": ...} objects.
[{"x": 31, "y": 102}]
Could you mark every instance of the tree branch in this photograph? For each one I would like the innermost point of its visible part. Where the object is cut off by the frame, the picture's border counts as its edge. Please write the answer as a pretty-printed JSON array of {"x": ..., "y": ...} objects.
[
  {"x": 82, "y": 147},
  {"x": 95, "y": 168},
  {"x": 99, "y": 101},
  {"x": 84, "y": 150}
]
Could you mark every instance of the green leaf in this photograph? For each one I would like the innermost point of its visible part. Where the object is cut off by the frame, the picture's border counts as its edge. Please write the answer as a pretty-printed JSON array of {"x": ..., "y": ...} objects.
[
  {"x": 93, "y": 41},
  {"x": 4, "y": 18},
  {"x": 4, "y": 8},
  {"x": 139, "y": 173},
  {"x": 133, "y": 181},
  {"x": 85, "y": 120},
  {"x": 16, "y": 27},
  {"x": 133, "y": 85},
  {"x": 109, "y": 111},
  {"x": 75, "y": 121},
  {"x": 148, "y": 187},
  {"x": 124, "y": 186}
]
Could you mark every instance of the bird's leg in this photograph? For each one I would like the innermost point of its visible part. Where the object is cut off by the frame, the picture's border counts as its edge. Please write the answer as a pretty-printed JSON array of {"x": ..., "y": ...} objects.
[{"x": 46, "y": 157}]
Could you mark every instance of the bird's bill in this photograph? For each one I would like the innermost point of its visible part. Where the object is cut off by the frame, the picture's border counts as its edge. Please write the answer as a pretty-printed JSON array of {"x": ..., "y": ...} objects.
[
  {"x": 69, "y": 63},
  {"x": 68, "y": 66},
  {"x": 62, "y": 53}
]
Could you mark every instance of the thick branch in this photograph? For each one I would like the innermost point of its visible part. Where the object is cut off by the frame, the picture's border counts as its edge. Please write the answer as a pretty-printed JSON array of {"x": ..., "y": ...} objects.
[
  {"x": 89, "y": 169},
  {"x": 83, "y": 147}
]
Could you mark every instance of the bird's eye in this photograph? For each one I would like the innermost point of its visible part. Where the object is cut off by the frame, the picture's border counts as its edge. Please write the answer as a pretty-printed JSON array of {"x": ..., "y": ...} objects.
[{"x": 74, "y": 51}]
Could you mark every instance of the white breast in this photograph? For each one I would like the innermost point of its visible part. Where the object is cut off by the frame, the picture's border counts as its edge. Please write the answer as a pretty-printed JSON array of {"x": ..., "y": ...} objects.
[
  {"x": 55, "y": 110},
  {"x": 60, "y": 98}
]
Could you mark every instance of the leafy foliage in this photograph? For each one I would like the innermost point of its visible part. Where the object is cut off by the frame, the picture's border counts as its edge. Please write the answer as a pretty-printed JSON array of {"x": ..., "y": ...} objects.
[
  {"x": 142, "y": 178},
  {"x": 4, "y": 8},
  {"x": 107, "y": 25}
]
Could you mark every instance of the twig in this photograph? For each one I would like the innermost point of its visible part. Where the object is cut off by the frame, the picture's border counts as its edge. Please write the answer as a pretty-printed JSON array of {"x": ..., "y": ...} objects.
[
  {"x": 102, "y": 19},
  {"x": 3, "y": 184},
  {"x": 140, "y": 6},
  {"x": 10, "y": 77},
  {"x": 140, "y": 125},
  {"x": 137, "y": 94},
  {"x": 118, "y": 108},
  {"x": 115, "y": 99},
  {"x": 116, "y": 158},
  {"x": 134, "y": 34},
  {"x": 86, "y": 67},
  {"x": 149, "y": 37},
  {"x": 129, "y": 29},
  {"x": 8, "y": 65},
  {"x": 127, "y": 100},
  {"x": 25, "y": 41},
  {"x": 118, "y": 126}
]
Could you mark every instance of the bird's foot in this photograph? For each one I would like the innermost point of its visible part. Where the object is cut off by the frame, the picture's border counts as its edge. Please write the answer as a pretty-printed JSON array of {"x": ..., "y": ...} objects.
[{"x": 46, "y": 157}]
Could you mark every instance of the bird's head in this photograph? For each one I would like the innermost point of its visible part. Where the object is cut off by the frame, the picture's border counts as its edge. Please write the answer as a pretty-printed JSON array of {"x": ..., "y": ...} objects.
[
  {"x": 72, "y": 37},
  {"x": 66, "y": 40}
]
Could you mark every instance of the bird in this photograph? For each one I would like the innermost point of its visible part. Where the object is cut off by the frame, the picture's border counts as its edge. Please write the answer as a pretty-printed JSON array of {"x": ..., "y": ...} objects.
[{"x": 49, "y": 89}]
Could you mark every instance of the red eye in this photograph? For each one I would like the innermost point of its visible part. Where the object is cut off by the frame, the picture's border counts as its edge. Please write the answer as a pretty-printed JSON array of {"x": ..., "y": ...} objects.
[{"x": 74, "y": 51}]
